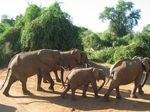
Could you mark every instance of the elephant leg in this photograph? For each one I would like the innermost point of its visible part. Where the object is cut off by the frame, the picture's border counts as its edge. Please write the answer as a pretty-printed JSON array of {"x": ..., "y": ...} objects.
[
  {"x": 73, "y": 94},
  {"x": 140, "y": 90},
  {"x": 94, "y": 86},
  {"x": 136, "y": 85},
  {"x": 56, "y": 75},
  {"x": 12, "y": 79},
  {"x": 85, "y": 89},
  {"x": 62, "y": 77},
  {"x": 24, "y": 87},
  {"x": 39, "y": 78},
  {"x": 118, "y": 96},
  {"x": 65, "y": 91},
  {"x": 111, "y": 87},
  {"x": 46, "y": 75}
]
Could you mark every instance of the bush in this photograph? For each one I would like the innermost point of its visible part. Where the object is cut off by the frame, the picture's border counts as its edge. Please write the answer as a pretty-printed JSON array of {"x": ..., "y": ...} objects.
[
  {"x": 104, "y": 55},
  {"x": 51, "y": 30}
]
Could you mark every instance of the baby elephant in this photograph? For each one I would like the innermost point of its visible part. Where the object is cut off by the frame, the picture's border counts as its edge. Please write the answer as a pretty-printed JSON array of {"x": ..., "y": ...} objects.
[{"x": 82, "y": 77}]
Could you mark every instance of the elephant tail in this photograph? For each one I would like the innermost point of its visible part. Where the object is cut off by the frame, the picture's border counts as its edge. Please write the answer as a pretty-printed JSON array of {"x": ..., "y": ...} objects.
[{"x": 5, "y": 78}]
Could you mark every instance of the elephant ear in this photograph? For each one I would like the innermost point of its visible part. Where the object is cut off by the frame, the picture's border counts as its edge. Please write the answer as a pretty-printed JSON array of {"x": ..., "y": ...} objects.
[
  {"x": 146, "y": 63},
  {"x": 96, "y": 72}
]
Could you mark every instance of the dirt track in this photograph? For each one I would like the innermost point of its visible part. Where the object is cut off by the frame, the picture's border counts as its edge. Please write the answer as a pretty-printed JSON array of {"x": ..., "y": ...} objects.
[{"x": 52, "y": 102}]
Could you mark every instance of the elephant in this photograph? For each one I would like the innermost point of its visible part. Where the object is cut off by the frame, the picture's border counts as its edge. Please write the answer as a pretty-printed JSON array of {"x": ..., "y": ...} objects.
[
  {"x": 24, "y": 65},
  {"x": 83, "y": 77},
  {"x": 70, "y": 59},
  {"x": 145, "y": 75},
  {"x": 124, "y": 72}
]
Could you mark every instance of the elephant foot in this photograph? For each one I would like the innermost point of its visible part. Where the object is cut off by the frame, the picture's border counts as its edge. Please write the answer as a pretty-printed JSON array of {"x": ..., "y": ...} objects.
[
  {"x": 27, "y": 92},
  {"x": 6, "y": 94},
  {"x": 51, "y": 89},
  {"x": 40, "y": 89},
  {"x": 141, "y": 92},
  {"x": 119, "y": 97},
  {"x": 58, "y": 80},
  {"x": 133, "y": 96},
  {"x": 96, "y": 96},
  {"x": 84, "y": 96}
]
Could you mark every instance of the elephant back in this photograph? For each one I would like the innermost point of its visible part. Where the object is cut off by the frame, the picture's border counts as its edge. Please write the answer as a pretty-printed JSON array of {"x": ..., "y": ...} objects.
[
  {"x": 117, "y": 64},
  {"x": 49, "y": 57}
]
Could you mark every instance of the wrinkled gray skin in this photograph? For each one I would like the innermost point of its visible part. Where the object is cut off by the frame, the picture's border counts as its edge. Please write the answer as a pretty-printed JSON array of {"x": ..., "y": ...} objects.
[
  {"x": 83, "y": 77},
  {"x": 24, "y": 65},
  {"x": 145, "y": 75},
  {"x": 125, "y": 72},
  {"x": 70, "y": 59}
]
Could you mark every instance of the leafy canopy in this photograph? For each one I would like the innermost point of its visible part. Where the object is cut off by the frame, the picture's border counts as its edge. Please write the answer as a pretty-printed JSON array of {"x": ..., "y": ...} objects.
[{"x": 122, "y": 18}]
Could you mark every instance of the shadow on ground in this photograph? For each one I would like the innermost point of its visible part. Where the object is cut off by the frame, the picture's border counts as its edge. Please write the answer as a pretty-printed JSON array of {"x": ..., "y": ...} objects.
[
  {"x": 5, "y": 108},
  {"x": 91, "y": 103}
]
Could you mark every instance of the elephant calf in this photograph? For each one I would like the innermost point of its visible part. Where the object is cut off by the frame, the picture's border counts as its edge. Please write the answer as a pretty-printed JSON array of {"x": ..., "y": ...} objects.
[{"x": 82, "y": 77}]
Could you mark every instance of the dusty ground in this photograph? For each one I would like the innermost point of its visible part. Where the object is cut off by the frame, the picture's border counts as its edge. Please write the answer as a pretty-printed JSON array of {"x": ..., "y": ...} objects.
[{"x": 52, "y": 102}]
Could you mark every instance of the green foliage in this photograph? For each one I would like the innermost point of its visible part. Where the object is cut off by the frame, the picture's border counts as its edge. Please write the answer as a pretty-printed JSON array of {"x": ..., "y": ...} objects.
[
  {"x": 122, "y": 18},
  {"x": 32, "y": 12},
  {"x": 9, "y": 44},
  {"x": 91, "y": 41},
  {"x": 104, "y": 55},
  {"x": 107, "y": 38},
  {"x": 146, "y": 28},
  {"x": 50, "y": 30}
]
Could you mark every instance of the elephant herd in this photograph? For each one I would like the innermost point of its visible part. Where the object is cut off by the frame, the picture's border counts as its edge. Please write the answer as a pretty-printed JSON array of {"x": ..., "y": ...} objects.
[{"x": 42, "y": 62}]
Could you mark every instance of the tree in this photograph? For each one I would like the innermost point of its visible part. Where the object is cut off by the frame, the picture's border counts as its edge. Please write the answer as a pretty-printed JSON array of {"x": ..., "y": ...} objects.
[
  {"x": 52, "y": 29},
  {"x": 32, "y": 12},
  {"x": 122, "y": 18},
  {"x": 147, "y": 28}
]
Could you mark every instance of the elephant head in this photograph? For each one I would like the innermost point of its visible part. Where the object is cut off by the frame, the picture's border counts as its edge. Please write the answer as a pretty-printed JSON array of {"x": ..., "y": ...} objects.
[
  {"x": 146, "y": 63},
  {"x": 77, "y": 55},
  {"x": 99, "y": 75},
  {"x": 84, "y": 59}
]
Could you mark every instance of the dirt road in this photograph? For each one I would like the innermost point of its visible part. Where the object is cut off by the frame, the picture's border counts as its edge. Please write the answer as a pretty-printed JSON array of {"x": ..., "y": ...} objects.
[{"x": 52, "y": 102}]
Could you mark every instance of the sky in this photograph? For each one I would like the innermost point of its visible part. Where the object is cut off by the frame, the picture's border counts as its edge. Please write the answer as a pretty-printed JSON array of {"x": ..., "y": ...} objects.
[{"x": 83, "y": 12}]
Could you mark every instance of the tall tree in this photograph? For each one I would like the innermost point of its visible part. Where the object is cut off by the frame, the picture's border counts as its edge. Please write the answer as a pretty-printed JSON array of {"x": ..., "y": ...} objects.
[
  {"x": 52, "y": 29},
  {"x": 122, "y": 18}
]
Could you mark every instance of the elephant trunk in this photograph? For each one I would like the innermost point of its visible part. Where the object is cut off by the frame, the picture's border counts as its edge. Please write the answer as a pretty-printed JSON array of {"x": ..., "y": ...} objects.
[
  {"x": 144, "y": 80},
  {"x": 101, "y": 86}
]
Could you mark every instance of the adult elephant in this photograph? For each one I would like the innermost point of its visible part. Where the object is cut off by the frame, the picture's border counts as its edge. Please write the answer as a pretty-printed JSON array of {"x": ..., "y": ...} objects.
[
  {"x": 125, "y": 72},
  {"x": 70, "y": 59},
  {"x": 24, "y": 65},
  {"x": 145, "y": 74}
]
